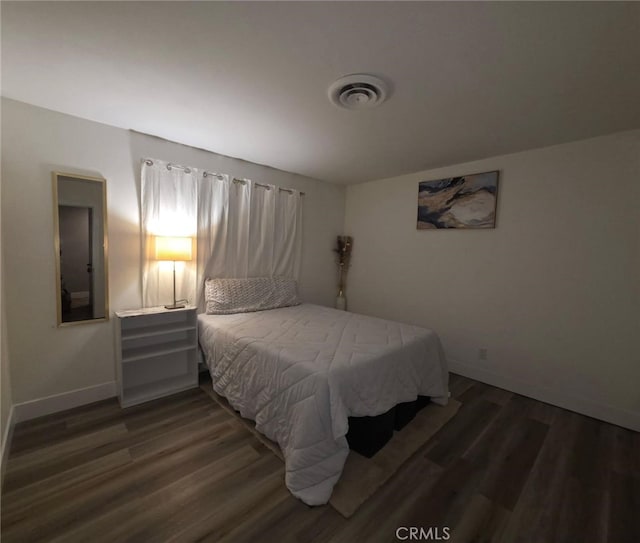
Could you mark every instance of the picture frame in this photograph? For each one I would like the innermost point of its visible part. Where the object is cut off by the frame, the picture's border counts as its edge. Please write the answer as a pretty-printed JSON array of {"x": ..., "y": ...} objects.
[{"x": 466, "y": 201}]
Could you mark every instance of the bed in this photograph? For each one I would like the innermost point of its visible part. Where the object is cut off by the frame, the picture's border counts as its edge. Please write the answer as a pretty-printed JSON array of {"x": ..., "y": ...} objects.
[{"x": 300, "y": 372}]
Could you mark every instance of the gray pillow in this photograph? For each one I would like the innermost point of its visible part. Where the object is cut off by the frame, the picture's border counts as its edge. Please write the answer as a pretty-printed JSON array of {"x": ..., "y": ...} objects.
[{"x": 225, "y": 296}]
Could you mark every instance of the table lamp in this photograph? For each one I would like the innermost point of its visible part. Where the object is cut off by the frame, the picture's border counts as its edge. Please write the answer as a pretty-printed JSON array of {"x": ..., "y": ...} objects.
[{"x": 174, "y": 249}]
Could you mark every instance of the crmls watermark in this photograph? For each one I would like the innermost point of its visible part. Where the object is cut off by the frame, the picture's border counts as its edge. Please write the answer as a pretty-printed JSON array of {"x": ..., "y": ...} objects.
[{"x": 419, "y": 533}]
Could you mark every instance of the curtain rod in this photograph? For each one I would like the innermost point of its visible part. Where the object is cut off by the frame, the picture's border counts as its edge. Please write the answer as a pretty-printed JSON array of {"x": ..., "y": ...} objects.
[
  {"x": 170, "y": 166},
  {"x": 243, "y": 182},
  {"x": 186, "y": 169}
]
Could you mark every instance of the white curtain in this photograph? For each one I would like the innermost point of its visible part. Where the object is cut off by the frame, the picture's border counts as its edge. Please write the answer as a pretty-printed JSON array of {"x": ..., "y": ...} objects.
[
  {"x": 261, "y": 231},
  {"x": 288, "y": 234},
  {"x": 247, "y": 229},
  {"x": 242, "y": 228},
  {"x": 168, "y": 198},
  {"x": 213, "y": 228}
]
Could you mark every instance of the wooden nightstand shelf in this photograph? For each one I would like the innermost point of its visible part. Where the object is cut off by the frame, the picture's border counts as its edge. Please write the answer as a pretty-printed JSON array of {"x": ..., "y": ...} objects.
[{"x": 157, "y": 352}]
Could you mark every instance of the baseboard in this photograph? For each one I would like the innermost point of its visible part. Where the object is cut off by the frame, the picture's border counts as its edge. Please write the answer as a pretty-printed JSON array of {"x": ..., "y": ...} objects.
[
  {"x": 67, "y": 400},
  {"x": 553, "y": 396},
  {"x": 6, "y": 443}
]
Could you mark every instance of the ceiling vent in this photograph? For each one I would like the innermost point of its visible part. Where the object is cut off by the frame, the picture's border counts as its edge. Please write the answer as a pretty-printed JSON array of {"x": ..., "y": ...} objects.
[{"x": 358, "y": 91}]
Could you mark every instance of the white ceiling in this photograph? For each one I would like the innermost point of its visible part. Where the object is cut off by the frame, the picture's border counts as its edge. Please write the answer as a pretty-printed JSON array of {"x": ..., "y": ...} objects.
[{"x": 250, "y": 80}]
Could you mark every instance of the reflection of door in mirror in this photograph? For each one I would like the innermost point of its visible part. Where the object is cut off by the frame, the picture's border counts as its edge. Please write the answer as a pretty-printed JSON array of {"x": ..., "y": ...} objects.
[
  {"x": 81, "y": 248},
  {"x": 76, "y": 263}
]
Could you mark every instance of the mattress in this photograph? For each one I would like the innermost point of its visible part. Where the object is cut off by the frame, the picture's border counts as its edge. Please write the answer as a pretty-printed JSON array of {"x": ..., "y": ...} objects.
[{"x": 300, "y": 372}]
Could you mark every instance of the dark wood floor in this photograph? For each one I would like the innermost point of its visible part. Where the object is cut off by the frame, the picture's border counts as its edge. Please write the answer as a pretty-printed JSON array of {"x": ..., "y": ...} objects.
[{"x": 506, "y": 469}]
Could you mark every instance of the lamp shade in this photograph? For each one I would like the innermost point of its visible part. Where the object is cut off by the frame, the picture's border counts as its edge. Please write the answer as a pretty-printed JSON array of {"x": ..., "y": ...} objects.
[{"x": 172, "y": 248}]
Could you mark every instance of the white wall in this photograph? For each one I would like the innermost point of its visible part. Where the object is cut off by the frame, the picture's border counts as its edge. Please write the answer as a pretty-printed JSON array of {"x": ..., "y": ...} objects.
[
  {"x": 553, "y": 292},
  {"x": 46, "y": 360}
]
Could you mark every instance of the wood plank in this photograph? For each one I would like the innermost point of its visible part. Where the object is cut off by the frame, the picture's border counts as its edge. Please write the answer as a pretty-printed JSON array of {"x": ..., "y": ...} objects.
[
  {"x": 458, "y": 435},
  {"x": 35, "y": 438},
  {"x": 506, "y": 475},
  {"x": 535, "y": 518},
  {"x": 473, "y": 393},
  {"x": 624, "y": 509},
  {"x": 543, "y": 412},
  {"x": 145, "y": 513},
  {"x": 483, "y": 521},
  {"x": 215, "y": 522},
  {"x": 140, "y": 419},
  {"x": 28, "y": 496},
  {"x": 583, "y": 513},
  {"x": 270, "y": 516},
  {"x": 497, "y": 395},
  {"x": 215, "y": 424},
  {"x": 199, "y": 498},
  {"x": 442, "y": 505},
  {"x": 626, "y": 451},
  {"x": 37, "y": 424},
  {"x": 36, "y": 465}
]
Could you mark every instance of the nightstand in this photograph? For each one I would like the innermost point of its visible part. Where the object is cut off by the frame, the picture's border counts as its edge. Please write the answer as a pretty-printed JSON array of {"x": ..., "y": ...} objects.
[{"x": 157, "y": 352}]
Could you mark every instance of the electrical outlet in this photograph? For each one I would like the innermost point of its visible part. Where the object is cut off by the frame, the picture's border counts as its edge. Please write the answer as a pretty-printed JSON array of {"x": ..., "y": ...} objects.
[{"x": 482, "y": 354}]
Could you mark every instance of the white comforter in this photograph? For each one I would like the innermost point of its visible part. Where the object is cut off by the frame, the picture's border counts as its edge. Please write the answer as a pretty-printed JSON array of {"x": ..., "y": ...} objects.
[{"x": 301, "y": 371}]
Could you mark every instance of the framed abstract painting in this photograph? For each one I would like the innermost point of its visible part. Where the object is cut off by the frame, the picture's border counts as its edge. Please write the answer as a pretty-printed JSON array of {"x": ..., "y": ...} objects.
[{"x": 468, "y": 201}]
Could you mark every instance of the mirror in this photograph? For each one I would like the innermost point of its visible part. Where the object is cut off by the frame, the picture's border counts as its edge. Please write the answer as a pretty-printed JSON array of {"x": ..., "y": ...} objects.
[{"x": 80, "y": 230}]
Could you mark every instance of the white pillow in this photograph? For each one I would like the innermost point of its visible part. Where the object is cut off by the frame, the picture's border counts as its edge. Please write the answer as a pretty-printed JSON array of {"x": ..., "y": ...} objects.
[{"x": 225, "y": 296}]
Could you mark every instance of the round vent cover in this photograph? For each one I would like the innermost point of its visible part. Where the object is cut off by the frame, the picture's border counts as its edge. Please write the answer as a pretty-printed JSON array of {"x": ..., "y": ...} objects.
[{"x": 358, "y": 91}]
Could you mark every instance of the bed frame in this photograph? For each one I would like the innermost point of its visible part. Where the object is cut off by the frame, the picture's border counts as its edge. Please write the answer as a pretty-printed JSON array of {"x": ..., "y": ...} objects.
[{"x": 367, "y": 435}]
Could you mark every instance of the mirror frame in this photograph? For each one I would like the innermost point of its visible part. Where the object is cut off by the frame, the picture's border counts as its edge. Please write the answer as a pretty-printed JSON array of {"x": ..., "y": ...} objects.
[{"x": 56, "y": 243}]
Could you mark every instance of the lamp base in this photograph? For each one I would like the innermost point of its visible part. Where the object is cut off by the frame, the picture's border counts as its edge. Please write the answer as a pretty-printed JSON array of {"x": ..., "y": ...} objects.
[{"x": 174, "y": 306}]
